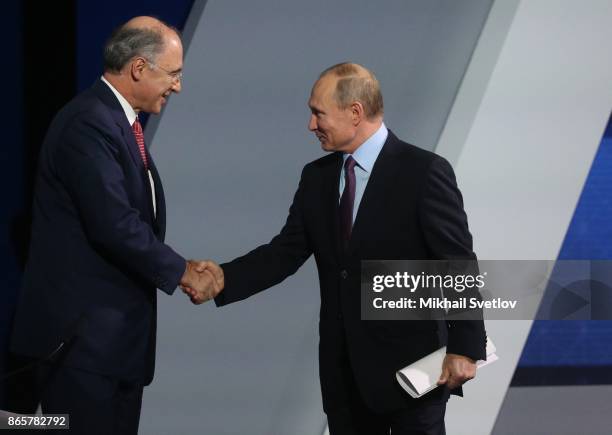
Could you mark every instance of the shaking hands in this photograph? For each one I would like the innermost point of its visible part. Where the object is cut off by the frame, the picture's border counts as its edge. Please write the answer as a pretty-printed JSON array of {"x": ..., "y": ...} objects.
[{"x": 202, "y": 280}]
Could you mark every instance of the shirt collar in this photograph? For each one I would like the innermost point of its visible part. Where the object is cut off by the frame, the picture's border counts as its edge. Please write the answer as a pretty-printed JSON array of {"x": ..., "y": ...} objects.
[
  {"x": 127, "y": 108},
  {"x": 367, "y": 153}
]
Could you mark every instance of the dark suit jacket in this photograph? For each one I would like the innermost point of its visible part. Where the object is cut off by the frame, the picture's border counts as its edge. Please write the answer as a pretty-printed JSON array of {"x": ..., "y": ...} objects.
[
  {"x": 97, "y": 253},
  {"x": 411, "y": 209}
]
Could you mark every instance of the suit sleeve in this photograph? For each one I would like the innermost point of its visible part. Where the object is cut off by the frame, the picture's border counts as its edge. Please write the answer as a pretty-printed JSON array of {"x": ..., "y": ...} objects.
[
  {"x": 445, "y": 227},
  {"x": 269, "y": 264},
  {"x": 86, "y": 163}
]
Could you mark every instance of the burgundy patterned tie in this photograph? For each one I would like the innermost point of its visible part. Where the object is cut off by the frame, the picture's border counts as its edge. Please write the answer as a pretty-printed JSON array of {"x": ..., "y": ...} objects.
[
  {"x": 137, "y": 129},
  {"x": 347, "y": 200}
]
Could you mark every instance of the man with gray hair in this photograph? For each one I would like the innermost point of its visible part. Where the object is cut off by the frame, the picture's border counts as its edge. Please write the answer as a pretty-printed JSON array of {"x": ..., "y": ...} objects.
[
  {"x": 87, "y": 308},
  {"x": 374, "y": 197}
]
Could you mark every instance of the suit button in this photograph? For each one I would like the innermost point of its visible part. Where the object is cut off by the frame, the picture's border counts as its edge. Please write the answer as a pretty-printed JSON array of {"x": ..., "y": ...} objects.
[
  {"x": 343, "y": 274},
  {"x": 339, "y": 316}
]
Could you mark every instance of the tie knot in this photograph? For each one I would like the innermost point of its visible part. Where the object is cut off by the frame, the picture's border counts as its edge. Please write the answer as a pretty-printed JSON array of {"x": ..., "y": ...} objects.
[
  {"x": 137, "y": 127},
  {"x": 349, "y": 164}
]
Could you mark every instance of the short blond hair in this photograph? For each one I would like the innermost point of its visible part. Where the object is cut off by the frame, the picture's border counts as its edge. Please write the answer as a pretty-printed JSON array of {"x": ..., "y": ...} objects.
[{"x": 356, "y": 83}]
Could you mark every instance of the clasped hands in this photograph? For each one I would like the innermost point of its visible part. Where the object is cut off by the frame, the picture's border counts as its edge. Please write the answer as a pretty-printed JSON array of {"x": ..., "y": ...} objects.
[{"x": 202, "y": 280}]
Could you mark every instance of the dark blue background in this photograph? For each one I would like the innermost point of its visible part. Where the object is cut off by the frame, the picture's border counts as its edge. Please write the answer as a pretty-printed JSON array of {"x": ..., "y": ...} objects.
[{"x": 589, "y": 236}]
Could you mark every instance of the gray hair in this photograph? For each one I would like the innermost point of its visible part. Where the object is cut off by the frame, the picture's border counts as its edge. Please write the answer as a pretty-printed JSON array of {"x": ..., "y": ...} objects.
[
  {"x": 356, "y": 83},
  {"x": 126, "y": 42}
]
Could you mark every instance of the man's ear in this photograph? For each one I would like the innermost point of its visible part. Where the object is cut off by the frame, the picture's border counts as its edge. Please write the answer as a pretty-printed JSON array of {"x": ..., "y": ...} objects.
[
  {"x": 137, "y": 68},
  {"x": 357, "y": 112}
]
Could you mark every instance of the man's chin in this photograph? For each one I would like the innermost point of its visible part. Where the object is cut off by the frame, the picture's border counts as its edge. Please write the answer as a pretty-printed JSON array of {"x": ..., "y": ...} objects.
[
  {"x": 156, "y": 110},
  {"x": 326, "y": 147}
]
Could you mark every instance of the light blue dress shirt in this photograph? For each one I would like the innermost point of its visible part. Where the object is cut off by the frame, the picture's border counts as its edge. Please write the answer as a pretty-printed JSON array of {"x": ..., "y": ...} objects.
[{"x": 365, "y": 156}]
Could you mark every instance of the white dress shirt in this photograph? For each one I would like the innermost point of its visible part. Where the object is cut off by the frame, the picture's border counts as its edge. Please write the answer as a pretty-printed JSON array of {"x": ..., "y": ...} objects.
[{"x": 365, "y": 156}]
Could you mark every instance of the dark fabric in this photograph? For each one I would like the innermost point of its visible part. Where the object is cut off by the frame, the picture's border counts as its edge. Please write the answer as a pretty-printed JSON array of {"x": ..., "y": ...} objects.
[
  {"x": 411, "y": 210},
  {"x": 425, "y": 416},
  {"x": 97, "y": 253},
  {"x": 22, "y": 393},
  {"x": 425, "y": 419},
  {"x": 97, "y": 404}
]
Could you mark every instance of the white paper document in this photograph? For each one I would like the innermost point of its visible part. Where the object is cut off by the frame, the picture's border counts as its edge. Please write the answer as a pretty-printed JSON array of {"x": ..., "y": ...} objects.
[{"x": 422, "y": 376}]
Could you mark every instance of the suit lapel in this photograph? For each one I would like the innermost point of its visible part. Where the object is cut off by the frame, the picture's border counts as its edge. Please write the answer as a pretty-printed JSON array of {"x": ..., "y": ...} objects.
[
  {"x": 106, "y": 95},
  {"x": 159, "y": 221},
  {"x": 331, "y": 183},
  {"x": 379, "y": 184},
  {"x": 130, "y": 140}
]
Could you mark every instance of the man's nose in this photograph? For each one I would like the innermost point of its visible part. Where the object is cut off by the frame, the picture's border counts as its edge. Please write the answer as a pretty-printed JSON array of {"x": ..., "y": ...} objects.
[
  {"x": 312, "y": 124},
  {"x": 176, "y": 86}
]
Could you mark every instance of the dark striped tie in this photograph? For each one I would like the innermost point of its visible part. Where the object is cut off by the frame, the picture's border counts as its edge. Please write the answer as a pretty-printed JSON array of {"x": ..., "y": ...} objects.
[{"x": 347, "y": 200}]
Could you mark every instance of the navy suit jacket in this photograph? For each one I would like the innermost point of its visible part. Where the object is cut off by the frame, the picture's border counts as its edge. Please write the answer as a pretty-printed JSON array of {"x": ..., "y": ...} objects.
[
  {"x": 96, "y": 253},
  {"x": 411, "y": 210}
]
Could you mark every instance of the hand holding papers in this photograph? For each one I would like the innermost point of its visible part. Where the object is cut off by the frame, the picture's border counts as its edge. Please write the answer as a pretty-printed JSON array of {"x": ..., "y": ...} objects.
[{"x": 422, "y": 376}]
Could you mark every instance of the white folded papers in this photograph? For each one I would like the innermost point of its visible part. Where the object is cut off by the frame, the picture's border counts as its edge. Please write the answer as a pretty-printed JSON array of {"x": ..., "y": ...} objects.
[{"x": 422, "y": 376}]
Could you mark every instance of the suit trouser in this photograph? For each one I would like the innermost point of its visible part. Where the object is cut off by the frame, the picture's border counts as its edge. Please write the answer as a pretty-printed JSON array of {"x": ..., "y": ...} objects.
[
  {"x": 357, "y": 419},
  {"x": 424, "y": 417},
  {"x": 97, "y": 404}
]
